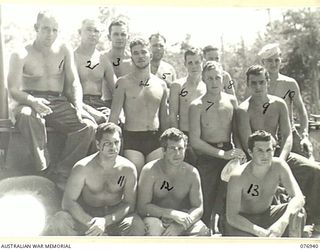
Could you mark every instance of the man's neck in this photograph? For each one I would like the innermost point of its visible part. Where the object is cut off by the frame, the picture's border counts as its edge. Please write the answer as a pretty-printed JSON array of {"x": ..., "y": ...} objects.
[
  {"x": 212, "y": 97},
  {"x": 193, "y": 79},
  {"x": 259, "y": 171},
  {"x": 117, "y": 52},
  {"x": 274, "y": 76},
  {"x": 43, "y": 49},
  {"x": 141, "y": 74},
  {"x": 105, "y": 162},
  {"x": 86, "y": 49},
  {"x": 259, "y": 100}
]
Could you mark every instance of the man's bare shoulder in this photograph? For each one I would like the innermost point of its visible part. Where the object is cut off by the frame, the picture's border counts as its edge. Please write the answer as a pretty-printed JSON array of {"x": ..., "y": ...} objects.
[
  {"x": 277, "y": 100},
  {"x": 151, "y": 168},
  {"x": 123, "y": 81},
  {"x": 22, "y": 52},
  {"x": 123, "y": 162},
  {"x": 244, "y": 106},
  {"x": 157, "y": 80},
  {"x": 84, "y": 164},
  {"x": 197, "y": 103},
  {"x": 166, "y": 65},
  {"x": 286, "y": 79},
  {"x": 190, "y": 170}
]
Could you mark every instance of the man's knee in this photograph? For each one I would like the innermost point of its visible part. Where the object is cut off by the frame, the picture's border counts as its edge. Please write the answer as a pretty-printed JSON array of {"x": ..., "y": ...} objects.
[
  {"x": 199, "y": 229},
  {"x": 26, "y": 113},
  {"x": 61, "y": 224},
  {"x": 153, "y": 226},
  {"x": 136, "y": 226}
]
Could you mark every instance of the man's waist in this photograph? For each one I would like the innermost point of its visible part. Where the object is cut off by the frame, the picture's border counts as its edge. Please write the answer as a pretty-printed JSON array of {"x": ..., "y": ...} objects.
[
  {"x": 221, "y": 145},
  {"x": 43, "y": 93}
]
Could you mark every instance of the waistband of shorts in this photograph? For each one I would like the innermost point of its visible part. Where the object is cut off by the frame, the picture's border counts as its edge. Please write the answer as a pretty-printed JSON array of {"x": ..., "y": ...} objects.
[
  {"x": 92, "y": 96},
  {"x": 221, "y": 144},
  {"x": 147, "y": 132},
  {"x": 48, "y": 93}
]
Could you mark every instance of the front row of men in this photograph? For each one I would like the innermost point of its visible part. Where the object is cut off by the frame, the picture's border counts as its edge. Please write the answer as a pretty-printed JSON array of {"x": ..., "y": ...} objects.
[{"x": 102, "y": 191}]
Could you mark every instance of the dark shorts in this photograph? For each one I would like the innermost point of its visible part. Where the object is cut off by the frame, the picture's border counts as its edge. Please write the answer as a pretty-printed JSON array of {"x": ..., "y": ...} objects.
[
  {"x": 96, "y": 102},
  {"x": 142, "y": 141},
  {"x": 264, "y": 220}
]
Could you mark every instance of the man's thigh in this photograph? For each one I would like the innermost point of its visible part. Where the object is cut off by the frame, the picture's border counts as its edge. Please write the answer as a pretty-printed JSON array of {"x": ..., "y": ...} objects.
[{"x": 131, "y": 225}]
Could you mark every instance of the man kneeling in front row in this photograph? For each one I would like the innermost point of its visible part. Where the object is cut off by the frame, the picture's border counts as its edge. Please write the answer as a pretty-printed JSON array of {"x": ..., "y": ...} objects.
[
  {"x": 101, "y": 190},
  {"x": 170, "y": 196},
  {"x": 251, "y": 189}
]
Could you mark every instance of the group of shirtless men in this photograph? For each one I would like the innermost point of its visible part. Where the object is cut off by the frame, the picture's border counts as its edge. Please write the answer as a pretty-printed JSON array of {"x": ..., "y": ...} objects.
[{"x": 165, "y": 183}]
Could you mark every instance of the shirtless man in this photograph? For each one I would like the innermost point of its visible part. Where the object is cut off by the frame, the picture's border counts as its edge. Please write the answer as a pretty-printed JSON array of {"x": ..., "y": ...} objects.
[
  {"x": 170, "y": 196},
  {"x": 211, "y": 53},
  {"x": 143, "y": 97},
  {"x": 252, "y": 187},
  {"x": 159, "y": 67},
  {"x": 43, "y": 80},
  {"x": 287, "y": 88},
  {"x": 101, "y": 191},
  {"x": 95, "y": 72},
  {"x": 211, "y": 128},
  {"x": 117, "y": 55},
  {"x": 270, "y": 113},
  {"x": 182, "y": 92}
]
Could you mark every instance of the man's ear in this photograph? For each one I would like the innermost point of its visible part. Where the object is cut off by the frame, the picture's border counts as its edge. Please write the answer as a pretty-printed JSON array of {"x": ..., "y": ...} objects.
[
  {"x": 250, "y": 153},
  {"x": 98, "y": 145},
  {"x": 36, "y": 28}
]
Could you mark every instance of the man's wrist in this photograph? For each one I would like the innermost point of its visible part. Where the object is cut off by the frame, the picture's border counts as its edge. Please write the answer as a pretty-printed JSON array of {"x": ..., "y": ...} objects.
[{"x": 110, "y": 219}]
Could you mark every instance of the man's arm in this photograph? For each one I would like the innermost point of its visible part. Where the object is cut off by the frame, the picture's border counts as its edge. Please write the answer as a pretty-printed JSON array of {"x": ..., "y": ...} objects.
[
  {"x": 71, "y": 194},
  {"x": 234, "y": 218},
  {"x": 228, "y": 84},
  {"x": 174, "y": 104},
  {"x": 235, "y": 132},
  {"x": 117, "y": 101},
  {"x": 200, "y": 145},
  {"x": 72, "y": 85},
  {"x": 164, "y": 108},
  {"x": 196, "y": 199},
  {"x": 303, "y": 119},
  {"x": 109, "y": 77},
  {"x": 15, "y": 79},
  {"x": 243, "y": 126},
  {"x": 296, "y": 202},
  {"x": 285, "y": 130}
]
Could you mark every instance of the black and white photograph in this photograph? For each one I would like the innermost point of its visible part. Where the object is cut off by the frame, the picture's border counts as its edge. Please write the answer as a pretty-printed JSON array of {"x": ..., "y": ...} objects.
[{"x": 163, "y": 121}]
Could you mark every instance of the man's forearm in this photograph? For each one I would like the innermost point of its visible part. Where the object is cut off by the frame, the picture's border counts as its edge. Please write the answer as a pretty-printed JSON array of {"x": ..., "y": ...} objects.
[
  {"x": 286, "y": 147},
  {"x": 78, "y": 213},
  {"x": 195, "y": 214}
]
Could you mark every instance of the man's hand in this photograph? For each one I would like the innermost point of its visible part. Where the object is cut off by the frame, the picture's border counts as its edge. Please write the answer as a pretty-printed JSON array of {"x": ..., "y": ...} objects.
[
  {"x": 306, "y": 146},
  {"x": 181, "y": 218},
  {"x": 235, "y": 153},
  {"x": 174, "y": 229},
  {"x": 40, "y": 106},
  {"x": 97, "y": 226}
]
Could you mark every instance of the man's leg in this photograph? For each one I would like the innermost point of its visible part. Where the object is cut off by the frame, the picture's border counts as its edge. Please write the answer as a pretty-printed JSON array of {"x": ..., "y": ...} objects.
[
  {"x": 154, "y": 226},
  {"x": 131, "y": 225},
  {"x": 197, "y": 229},
  {"x": 32, "y": 127},
  {"x": 136, "y": 157},
  {"x": 307, "y": 173}
]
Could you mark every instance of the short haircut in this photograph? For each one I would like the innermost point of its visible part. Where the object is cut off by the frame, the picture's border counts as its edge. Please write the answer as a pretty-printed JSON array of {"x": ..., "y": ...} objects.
[
  {"x": 256, "y": 70},
  {"x": 157, "y": 35},
  {"x": 45, "y": 13},
  {"x": 209, "y": 48},
  {"x": 211, "y": 65},
  {"x": 260, "y": 135},
  {"x": 192, "y": 51},
  {"x": 95, "y": 20},
  {"x": 138, "y": 41},
  {"x": 107, "y": 128},
  {"x": 173, "y": 134},
  {"x": 117, "y": 22}
]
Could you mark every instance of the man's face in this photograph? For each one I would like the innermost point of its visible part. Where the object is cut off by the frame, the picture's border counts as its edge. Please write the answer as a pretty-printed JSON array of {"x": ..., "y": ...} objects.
[
  {"x": 212, "y": 55},
  {"x": 175, "y": 152},
  {"x": 258, "y": 84},
  {"x": 157, "y": 48},
  {"x": 193, "y": 64},
  {"x": 262, "y": 153},
  {"x": 140, "y": 56},
  {"x": 47, "y": 31},
  {"x": 109, "y": 144},
  {"x": 272, "y": 63},
  {"x": 90, "y": 32},
  {"x": 119, "y": 36},
  {"x": 213, "y": 80}
]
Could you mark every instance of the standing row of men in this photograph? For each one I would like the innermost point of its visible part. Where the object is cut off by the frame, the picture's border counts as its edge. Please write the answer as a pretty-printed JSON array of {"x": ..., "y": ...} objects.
[{"x": 43, "y": 79}]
